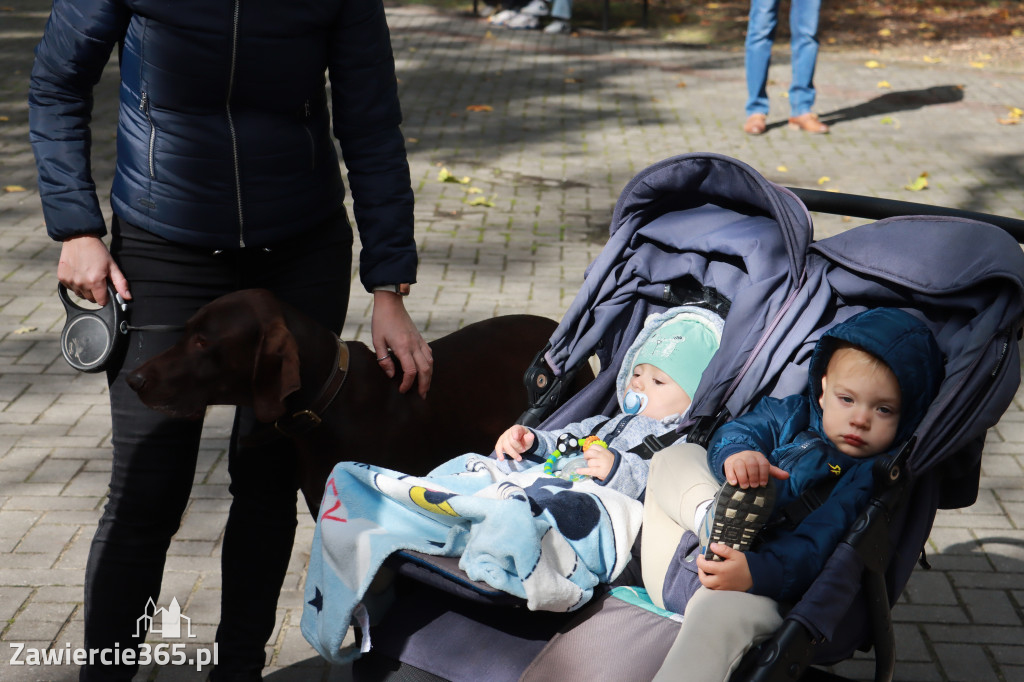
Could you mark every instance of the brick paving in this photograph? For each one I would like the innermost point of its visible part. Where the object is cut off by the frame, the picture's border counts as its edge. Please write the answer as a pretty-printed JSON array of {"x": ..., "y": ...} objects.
[{"x": 573, "y": 119}]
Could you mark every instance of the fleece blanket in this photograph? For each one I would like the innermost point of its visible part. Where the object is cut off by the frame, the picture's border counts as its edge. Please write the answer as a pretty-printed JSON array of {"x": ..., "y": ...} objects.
[{"x": 545, "y": 539}]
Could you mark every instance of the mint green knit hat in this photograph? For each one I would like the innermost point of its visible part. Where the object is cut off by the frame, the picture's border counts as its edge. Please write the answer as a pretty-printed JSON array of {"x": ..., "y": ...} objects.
[{"x": 681, "y": 347}]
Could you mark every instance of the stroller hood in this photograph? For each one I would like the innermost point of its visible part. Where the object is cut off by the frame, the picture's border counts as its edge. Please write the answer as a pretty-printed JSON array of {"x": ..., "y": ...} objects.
[{"x": 695, "y": 229}]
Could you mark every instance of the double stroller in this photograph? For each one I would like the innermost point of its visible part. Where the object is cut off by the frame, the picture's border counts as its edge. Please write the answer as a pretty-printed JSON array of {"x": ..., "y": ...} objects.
[{"x": 707, "y": 230}]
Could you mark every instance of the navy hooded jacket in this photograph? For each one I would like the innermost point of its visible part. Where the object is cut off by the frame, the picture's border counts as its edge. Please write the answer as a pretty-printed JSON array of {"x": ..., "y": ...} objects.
[
  {"x": 223, "y": 135},
  {"x": 789, "y": 433}
]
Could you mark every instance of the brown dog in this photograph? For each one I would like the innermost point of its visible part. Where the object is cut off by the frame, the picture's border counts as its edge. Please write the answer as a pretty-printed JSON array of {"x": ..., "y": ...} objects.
[{"x": 248, "y": 348}]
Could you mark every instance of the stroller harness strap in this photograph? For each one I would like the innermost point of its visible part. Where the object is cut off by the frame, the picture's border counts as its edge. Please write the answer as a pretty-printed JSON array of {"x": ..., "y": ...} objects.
[{"x": 800, "y": 508}]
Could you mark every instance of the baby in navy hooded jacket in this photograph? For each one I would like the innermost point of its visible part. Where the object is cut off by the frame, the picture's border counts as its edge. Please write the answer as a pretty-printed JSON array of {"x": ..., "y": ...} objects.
[{"x": 871, "y": 379}]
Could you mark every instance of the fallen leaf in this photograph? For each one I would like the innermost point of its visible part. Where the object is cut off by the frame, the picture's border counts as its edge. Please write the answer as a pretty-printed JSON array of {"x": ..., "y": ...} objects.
[
  {"x": 573, "y": 80},
  {"x": 478, "y": 201},
  {"x": 14, "y": 188},
  {"x": 677, "y": 18},
  {"x": 412, "y": 140},
  {"x": 474, "y": 190},
  {"x": 919, "y": 184},
  {"x": 782, "y": 169},
  {"x": 931, "y": 60},
  {"x": 25, "y": 330},
  {"x": 885, "y": 32},
  {"x": 873, "y": 64},
  {"x": 446, "y": 176},
  {"x": 681, "y": 84},
  {"x": 979, "y": 65},
  {"x": 479, "y": 107},
  {"x": 488, "y": 34},
  {"x": 886, "y": 121},
  {"x": 884, "y": 84},
  {"x": 1013, "y": 117},
  {"x": 823, "y": 179},
  {"x": 5, "y": 118}
]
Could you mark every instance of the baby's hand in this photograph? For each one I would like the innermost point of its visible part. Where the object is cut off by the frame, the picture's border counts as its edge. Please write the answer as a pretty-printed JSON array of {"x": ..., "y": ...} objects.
[
  {"x": 599, "y": 462},
  {"x": 751, "y": 469},
  {"x": 515, "y": 441},
  {"x": 731, "y": 573}
]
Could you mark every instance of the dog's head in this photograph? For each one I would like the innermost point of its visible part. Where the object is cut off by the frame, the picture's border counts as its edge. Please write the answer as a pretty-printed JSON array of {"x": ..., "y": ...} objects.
[{"x": 236, "y": 350}]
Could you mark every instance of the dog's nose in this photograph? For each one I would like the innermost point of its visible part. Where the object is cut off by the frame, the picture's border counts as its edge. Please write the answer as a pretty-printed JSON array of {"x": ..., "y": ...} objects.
[{"x": 136, "y": 381}]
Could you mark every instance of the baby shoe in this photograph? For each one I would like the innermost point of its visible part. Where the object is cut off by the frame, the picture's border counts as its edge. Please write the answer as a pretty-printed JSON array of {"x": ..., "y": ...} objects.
[{"x": 735, "y": 517}]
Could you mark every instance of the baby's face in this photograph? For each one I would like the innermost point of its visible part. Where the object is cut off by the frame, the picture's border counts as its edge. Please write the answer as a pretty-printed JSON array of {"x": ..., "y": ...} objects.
[
  {"x": 860, "y": 404},
  {"x": 664, "y": 396}
]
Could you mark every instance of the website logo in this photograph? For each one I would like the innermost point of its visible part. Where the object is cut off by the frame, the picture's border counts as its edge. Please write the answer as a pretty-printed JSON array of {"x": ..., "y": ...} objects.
[
  {"x": 169, "y": 623},
  {"x": 163, "y": 622}
]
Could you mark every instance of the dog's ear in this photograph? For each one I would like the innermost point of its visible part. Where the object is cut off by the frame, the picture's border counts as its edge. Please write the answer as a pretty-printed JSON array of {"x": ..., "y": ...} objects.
[{"x": 276, "y": 374}]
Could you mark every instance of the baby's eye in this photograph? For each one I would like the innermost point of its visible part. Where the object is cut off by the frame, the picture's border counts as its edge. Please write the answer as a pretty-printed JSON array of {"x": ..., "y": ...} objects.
[
  {"x": 885, "y": 410},
  {"x": 846, "y": 399},
  {"x": 658, "y": 382}
]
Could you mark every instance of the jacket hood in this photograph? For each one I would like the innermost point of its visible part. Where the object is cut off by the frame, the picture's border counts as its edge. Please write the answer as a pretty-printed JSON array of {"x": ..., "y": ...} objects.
[{"x": 903, "y": 343}]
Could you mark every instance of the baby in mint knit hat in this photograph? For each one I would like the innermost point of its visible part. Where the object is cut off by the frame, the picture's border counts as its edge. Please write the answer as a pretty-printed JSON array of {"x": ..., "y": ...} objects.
[{"x": 656, "y": 383}]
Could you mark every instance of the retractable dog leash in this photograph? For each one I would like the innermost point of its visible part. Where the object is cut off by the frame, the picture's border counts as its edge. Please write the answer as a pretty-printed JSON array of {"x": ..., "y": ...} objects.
[{"x": 92, "y": 336}]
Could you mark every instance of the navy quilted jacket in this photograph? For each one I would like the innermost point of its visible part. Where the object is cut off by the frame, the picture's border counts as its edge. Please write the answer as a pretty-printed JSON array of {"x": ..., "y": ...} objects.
[
  {"x": 223, "y": 136},
  {"x": 789, "y": 433}
]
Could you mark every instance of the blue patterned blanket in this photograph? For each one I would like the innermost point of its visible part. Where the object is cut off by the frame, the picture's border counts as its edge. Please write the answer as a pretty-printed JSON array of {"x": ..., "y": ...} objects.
[{"x": 535, "y": 536}]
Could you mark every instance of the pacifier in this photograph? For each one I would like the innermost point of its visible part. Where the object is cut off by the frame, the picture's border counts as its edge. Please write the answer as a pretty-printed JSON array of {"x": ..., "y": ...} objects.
[{"x": 634, "y": 402}]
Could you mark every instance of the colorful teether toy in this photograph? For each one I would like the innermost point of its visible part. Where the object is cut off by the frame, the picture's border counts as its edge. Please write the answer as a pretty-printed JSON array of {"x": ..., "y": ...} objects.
[{"x": 568, "y": 446}]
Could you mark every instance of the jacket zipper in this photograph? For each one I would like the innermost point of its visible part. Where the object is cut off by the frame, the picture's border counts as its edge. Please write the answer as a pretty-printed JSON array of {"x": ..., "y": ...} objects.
[
  {"x": 231, "y": 125},
  {"x": 144, "y": 108}
]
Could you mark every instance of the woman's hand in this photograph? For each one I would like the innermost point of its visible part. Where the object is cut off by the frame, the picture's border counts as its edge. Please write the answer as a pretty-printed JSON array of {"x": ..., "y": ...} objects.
[
  {"x": 394, "y": 333},
  {"x": 84, "y": 267}
]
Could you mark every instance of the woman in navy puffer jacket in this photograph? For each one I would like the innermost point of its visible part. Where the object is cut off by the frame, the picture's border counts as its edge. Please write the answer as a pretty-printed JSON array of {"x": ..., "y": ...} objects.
[{"x": 226, "y": 178}]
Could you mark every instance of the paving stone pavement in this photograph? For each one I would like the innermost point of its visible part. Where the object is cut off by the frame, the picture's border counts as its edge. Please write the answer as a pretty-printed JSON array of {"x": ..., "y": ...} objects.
[{"x": 573, "y": 118}]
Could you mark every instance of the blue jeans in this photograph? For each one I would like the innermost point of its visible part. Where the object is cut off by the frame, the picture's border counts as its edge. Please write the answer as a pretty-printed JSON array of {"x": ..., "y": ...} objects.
[
  {"x": 154, "y": 458},
  {"x": 561, "y": 9},
  {"x": 803, "y": 25}
]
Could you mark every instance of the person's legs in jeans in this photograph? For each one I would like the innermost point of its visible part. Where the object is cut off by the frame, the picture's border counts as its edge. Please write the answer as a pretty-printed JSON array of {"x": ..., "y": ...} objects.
[
  {"x": 312, "y": 274},
  {"x": 561, "y": 9},
  {"x": 803, "y": 24},
  {"x": 764, "y": 16}
]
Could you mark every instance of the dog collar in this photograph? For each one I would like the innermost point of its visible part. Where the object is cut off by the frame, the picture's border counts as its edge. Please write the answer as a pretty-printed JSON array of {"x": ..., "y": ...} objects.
[{"x": 304, "y": 421}]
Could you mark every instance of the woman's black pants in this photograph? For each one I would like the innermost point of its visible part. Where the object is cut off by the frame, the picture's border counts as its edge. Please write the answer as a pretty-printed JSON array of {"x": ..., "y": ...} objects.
[{"x": 154, "y": 460}]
